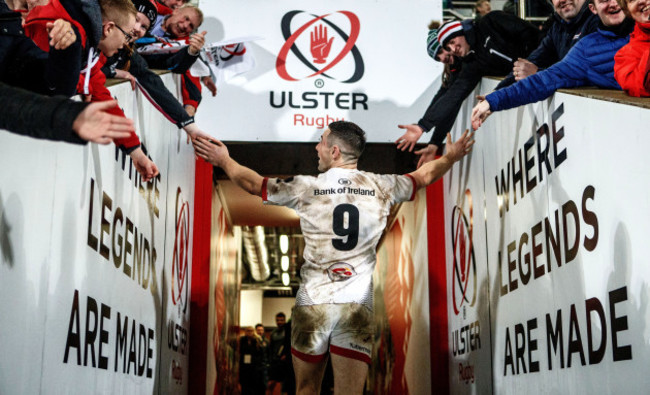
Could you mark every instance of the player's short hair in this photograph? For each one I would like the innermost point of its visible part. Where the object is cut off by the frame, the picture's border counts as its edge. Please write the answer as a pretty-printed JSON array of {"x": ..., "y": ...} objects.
[
  {"x": 280, "y": 314},
  {"x": 349, "y": 135},
  {"x": 258, "y": 325},
  {"x": 196, "y": 9},
  {"x": 117, "y": 11}
]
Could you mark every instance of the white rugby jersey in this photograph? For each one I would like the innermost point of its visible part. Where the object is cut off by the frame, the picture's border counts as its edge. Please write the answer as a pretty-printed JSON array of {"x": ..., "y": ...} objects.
[{"x": 342, "y": 216}]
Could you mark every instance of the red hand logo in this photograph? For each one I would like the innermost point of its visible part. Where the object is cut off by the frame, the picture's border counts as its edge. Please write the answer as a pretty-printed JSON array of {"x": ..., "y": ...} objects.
[{"x": 320, "y": 47}]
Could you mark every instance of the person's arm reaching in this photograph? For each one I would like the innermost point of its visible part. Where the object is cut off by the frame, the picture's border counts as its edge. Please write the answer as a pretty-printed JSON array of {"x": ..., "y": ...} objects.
[
  {"x": 216, "y": 153},
  {"x": 434, "y": 170}
]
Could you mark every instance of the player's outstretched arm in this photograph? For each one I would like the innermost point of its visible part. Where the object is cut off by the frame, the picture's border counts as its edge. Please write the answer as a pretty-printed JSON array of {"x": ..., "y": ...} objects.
[
  {"x": 432, "y": 171},
  {"x": 216, "y": 153}
]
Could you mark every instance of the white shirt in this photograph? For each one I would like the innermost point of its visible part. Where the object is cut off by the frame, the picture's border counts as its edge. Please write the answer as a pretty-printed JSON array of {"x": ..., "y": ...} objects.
[{"x": 342, "y": 214}]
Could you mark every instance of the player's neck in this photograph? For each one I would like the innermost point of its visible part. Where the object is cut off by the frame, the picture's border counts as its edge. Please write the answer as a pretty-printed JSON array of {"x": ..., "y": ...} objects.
[{"x": 348, "y": 164}]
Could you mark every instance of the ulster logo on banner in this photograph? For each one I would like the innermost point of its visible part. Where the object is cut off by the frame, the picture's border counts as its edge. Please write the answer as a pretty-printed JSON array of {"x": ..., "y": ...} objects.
[
  {"x": 464, "y": 271},
  {"x": 179, "y": 280},
  {"x": 322, "y": 46}
]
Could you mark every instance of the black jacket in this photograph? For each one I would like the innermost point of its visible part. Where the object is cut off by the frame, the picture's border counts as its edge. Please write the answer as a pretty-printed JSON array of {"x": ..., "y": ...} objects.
[
  {"x": 425, "y": 122},
  {"x": 177, "y": 62},
  {"x": 168, "y": 105},
  {"x": 496, "y": 41},
  {"x": 34, "y": 115},
  {"x": 558, "y": 41},
  {"x": 24, "y": 65}
]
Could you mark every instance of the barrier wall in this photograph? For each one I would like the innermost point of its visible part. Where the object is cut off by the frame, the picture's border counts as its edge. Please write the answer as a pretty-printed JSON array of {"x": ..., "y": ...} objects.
[
  {"x": 401, "y": 348},
  {"x": 548, "y": 284},
  {"x": 94, "y": 264}
]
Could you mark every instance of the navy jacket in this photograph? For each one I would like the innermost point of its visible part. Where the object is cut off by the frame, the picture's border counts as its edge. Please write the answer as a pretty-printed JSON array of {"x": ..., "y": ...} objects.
[
  {"x": 558, "y": 41},
  {"x": 496, "y": 41},
  {"x": 589, "y": 62}
]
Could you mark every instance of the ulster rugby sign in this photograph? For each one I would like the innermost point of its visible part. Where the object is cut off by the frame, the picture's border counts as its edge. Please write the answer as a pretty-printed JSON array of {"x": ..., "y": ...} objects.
[{"x": 318, "y": 62}]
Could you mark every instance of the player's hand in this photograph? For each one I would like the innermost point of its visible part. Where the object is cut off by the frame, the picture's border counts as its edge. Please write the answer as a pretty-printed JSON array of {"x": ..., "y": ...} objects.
[
  {"x": 143, "y": 165},
  {"x": 427, "y": 154},
  {"x": 523, "y": 68},
  {"x": 409, "y": 138},
  {"x": 211, "y": 150},
  {"x": 127, "y": 76},
  {"x": 209, "y": 83},
  {"x": 480, "y": 113},
  {"x": 60, "y": 33},
  {"x": 460, "y": 147},
  {"x": 96, "y": 125},
  {"x": 197, "y": 40}
]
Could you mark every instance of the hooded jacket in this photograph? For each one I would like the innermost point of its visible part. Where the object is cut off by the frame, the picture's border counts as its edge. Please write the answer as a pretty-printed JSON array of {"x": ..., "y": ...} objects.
[
  {"x": 631, "y": 67},
  {"x": 589, "y": 62},
  {"x": 561, "y": 36},
  {"x": 495, "y": 41}
]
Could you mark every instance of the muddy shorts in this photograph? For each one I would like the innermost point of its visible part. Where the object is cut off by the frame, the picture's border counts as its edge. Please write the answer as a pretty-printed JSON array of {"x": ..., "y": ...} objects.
[{"x": 345, "y": 329}]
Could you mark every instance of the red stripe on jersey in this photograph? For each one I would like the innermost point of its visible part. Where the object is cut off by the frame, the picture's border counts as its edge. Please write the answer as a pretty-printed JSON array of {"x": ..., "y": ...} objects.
[
  {"x": 307, "y": 357},
  {"x": 352, "y": 354},
  {"x": 415, "y": 186},
  {"x": 264, "y": 191}
]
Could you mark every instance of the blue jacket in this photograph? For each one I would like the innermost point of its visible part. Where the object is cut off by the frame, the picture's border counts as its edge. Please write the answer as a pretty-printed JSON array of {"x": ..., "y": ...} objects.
[
  {"x": 561, "y": 37},
  {"x": 589, "y": 62}
]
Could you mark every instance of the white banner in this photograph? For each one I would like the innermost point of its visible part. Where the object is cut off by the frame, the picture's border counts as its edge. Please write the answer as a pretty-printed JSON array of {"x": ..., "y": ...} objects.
[
  {"x": 566, "y": 195},
  {"x": 85, "y": 258},
  {"x": 363, "y": 61}
]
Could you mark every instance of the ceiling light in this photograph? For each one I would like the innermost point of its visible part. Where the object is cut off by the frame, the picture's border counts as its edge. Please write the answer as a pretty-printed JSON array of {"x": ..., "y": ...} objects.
[
  {"x": 285, "y": 278},
  {"x": 284, "y": 263},
  {"x": 284, "y": 243}
]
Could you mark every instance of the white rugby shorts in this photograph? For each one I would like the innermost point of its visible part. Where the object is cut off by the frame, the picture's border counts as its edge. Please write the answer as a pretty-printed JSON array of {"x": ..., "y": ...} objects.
[{"x": 344, "y": 329}]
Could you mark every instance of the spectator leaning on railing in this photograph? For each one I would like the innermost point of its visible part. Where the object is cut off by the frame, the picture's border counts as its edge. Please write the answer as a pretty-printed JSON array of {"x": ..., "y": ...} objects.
[
  {"x": 488, "y": 46},
  {"x": 589, "y": 62},
  {"x": 179, "y": 26},
  {"x": 130, "y": 65},
  {"x": 632, "y": 62},
  {"x": 572, "y": 21},
  {"x": 103, "y": 25},
  {"x": 452, "y": 67}
]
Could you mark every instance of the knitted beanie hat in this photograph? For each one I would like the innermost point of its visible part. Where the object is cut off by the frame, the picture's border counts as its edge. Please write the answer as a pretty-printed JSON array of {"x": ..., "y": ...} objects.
[
  {"x": 449, "y": 30},
  {"x": 433, "y": 46},
  {"x": 148, "y": 8}
]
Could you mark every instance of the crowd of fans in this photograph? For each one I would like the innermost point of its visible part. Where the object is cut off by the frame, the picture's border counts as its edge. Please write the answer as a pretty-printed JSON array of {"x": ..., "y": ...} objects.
[
  {"x": 602, "y": 43},
  {"x": 64, "y": 48}
]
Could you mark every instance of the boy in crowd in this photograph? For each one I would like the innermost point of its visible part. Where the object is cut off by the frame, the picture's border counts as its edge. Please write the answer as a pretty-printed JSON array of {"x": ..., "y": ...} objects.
[{"x": 106, "y": 26}]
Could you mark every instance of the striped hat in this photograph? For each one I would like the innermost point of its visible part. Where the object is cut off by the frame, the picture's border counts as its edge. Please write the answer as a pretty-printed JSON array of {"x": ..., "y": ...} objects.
[
  {"x": 448, "y": 31},
  {"x": 433, "y": 46}
]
